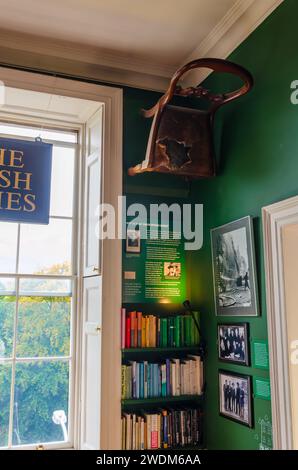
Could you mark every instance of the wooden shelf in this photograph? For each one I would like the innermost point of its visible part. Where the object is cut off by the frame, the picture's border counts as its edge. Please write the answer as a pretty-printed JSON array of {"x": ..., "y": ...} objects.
[
  {"x": 161, "y": 401},
  {"x": 169, "y": 353}
]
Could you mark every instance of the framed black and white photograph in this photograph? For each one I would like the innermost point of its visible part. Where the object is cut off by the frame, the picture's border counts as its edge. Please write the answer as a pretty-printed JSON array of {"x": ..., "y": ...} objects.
[
  {"x": 233, "y": 343},
  {"x": 133, "y": 241},
  {"x": 234, "y": 272},
  {"x": 235, "y": 397}
]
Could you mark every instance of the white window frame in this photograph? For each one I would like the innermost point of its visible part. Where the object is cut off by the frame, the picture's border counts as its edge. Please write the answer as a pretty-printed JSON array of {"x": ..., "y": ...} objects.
[
  {"x": 112, "y": 99},
  {"x": 73, "y": 276}
]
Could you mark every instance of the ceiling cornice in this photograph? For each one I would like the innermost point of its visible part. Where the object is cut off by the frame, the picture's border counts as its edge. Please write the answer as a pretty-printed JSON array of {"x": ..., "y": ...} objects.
[
  {"x": 108, "y": 66},
  {"x": 234, "y": 27}
]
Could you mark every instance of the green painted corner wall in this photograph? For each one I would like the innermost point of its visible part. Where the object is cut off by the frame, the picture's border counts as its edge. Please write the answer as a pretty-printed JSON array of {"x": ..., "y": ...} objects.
[
  {"x": 257, "y": 142},
  {"x": 257, "y": 145}
]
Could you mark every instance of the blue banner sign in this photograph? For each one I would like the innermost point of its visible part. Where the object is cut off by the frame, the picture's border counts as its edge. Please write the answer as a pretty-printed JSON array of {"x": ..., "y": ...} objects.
[{"x": 25, "y": 181}]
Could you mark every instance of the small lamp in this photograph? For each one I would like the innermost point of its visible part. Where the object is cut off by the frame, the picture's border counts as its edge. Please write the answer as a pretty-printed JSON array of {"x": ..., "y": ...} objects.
[{"x": 188, "y": 310}]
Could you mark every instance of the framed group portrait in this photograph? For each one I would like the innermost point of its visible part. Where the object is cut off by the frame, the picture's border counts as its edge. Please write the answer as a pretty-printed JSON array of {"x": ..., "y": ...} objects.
[
  {"x": 233, "y": 343},
  {"x": 235, "y": 397},
  {"x": 234, "y": 269}
]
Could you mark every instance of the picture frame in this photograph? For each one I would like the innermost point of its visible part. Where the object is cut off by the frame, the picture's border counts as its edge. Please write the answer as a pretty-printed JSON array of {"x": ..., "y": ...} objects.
[
  {"x": 133, "y": 241},
  {"x": 235, "y": 397},
  {"x": 234, "y": 269},
  {"x": 233, "y": 343}
]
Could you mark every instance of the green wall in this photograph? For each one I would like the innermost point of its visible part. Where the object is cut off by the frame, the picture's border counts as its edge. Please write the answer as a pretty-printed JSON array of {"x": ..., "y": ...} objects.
[
  {"x": 257, "y": 146},
  {"x": 257, "y": 141}
]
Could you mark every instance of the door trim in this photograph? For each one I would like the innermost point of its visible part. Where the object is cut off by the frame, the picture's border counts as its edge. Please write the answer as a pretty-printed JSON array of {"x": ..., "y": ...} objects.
[
  {"x": 112, "y": 98},
  {"x": 275, "y": 217}
]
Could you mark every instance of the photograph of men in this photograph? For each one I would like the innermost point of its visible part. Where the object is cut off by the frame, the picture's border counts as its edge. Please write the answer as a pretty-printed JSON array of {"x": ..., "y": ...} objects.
[
  {"x": 172, "y": 270},
  {"x": 235, "y": 397},
  {"x": 233, "y": 343}
]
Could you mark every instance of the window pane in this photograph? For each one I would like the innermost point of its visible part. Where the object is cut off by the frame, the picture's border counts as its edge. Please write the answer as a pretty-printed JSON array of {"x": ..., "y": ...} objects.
[
  {"x": 8, "y": 247},
  {"x": 62, "y": 181},
  {"x": 41, "y": 388},
  {"x": 5, "y": 382},
  {"x": 46, "y": 249},
  {"x": 7, "y": 285},
  {"x": 44, "y": 287},
  {"x": 7, "y": 311},
  {"x": 43, "y": 326},
  {"x": 34, "y": 132}
]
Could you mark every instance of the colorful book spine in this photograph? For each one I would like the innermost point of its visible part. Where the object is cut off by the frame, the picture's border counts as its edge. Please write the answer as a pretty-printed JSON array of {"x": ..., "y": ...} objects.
[
  {"x": 123, "y": 382},
  {"x": 123, "y": 327},
  {"x": 147, "y": 333},
  {"x": 164, "y": 332},
  {"x": 143, "y": 344},
  {"x": 150, "y": 331},
  {"x": 158, "y": 332},
  {"x": 128, "y": 335},
  {"x": 163, "y": 380},
  {"x": 177, "y": 321},
  {"x": 142, "y": 383},
  {"x": 139, "y": 329}
]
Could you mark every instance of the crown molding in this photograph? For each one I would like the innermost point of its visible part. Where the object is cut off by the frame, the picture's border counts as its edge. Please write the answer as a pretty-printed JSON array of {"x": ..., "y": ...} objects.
[
  {"x": 53, "y": 55},
  {"x": 83, "y": 53},
  {"x": 234, "y": 27}
]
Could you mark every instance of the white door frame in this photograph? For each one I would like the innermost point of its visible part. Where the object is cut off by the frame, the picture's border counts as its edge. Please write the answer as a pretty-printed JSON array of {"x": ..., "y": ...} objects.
[
  {"x": 275, "y": 217},
  {"x": 112, "y": 99}
]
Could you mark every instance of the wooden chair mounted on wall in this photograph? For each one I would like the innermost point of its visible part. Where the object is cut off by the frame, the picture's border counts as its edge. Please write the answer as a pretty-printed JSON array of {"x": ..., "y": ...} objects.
[{"x": 181, "y": 138}]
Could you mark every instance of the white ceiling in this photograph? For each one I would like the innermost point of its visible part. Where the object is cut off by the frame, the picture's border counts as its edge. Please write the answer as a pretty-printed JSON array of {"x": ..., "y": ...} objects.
[
  {"x": 161, "y": 30},
  {"x": 152, "y": 37}
]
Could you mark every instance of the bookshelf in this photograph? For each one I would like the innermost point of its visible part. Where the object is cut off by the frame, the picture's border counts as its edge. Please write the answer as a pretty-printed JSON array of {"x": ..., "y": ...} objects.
[
  {"x": 155, "y": 409},
  {"x": 157, "y": 402}
]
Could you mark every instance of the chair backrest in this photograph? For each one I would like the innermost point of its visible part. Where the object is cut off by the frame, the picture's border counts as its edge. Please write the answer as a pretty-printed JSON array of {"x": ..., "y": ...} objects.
[{"x": 181, "y": 139}]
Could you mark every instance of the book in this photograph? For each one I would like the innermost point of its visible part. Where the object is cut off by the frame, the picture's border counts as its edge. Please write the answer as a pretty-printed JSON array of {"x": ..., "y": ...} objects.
[
  {"x": 133, "y": 432},
  {"x": 139, "y": 329},
  {"x": 128, "y": 433},
  {"x": 133, "y": 329},
  {"x": 147, "y": 332},
  {"x": 152, "y": 331},
  {"x": 163, "y": 380},
  {"x": 177, "y": 321},
  {"x": 154, "y": 432},
  {"x": 128, "y": 335},
  {"x": 164, "y": 332},
  {"x": 123, "y": 433},
  {"x": 123, "y": 327},
  {"x": 143, "y": 342},
  {"x": 123, "y": 382},
  {"x": 158, "y": 332}
]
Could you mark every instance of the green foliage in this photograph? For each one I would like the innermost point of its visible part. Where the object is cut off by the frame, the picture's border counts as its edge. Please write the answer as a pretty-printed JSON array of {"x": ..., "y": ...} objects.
[{"x": 41, "y": 387}]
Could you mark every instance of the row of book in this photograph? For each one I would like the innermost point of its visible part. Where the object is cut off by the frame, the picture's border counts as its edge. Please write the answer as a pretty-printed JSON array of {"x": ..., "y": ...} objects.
[
  {"x": 174, "y": 377},
  {"x": 150, "y": 331},
  {"x": 162, "y": 430}
]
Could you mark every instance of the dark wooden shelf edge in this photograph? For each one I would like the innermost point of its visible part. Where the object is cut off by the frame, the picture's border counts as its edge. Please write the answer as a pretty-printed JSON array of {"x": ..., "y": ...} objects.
[
  {"x": 160, "y": 400},
  {"x": 157, "y": 350}
]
